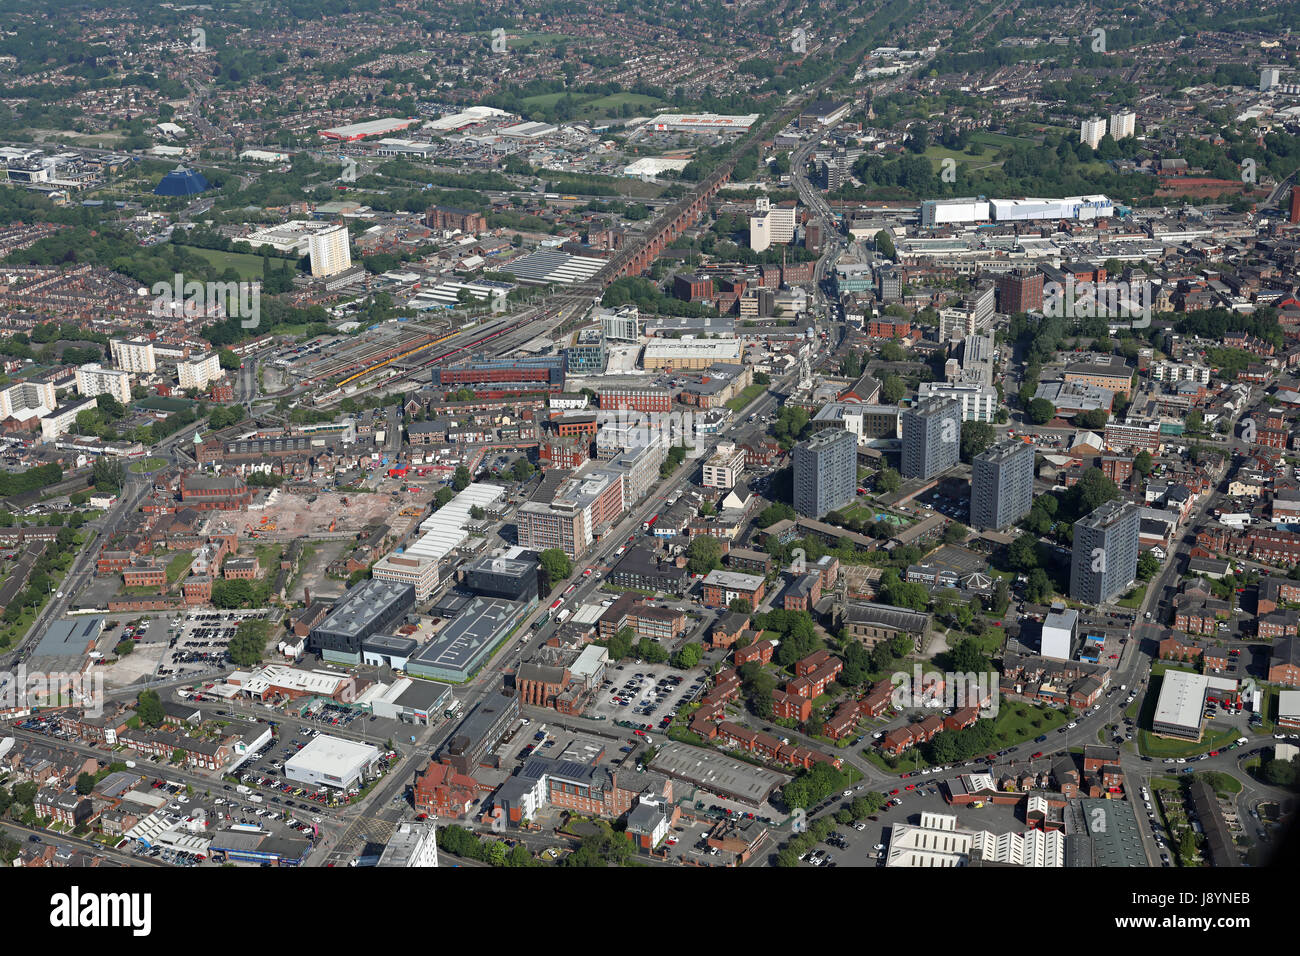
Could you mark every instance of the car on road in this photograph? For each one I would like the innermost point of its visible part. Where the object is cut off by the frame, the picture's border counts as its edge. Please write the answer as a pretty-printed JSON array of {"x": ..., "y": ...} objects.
[{"x": 1071, "y": 725}]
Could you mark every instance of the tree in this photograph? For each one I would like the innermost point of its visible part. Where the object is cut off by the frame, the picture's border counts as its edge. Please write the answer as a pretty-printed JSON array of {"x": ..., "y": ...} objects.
[
  {"x": 1142, "y": 463},
  {"x": 85, "y": 783},
  {"x": 704, "y": 553},
  {"x": 149, "y": 708},
  {"x": 248, "y": 646},
  {"x": 1148, "y": 566},
  {"x": 234, "y": 593},
  {"x": 1280, "y": 773},
  {"x": 107, "y": 474},
  {"x": 892, "y": 388},
  {"x": 740, "y": 606},
  {"x": 555, "y": 564},
  {"x": 1040, "y": 411},
  {"x": 888, "y": 481},
  {"x": 976, "y": 437},
  {"x": 688, "y": 656},
  {"x": 228, "y": 360},
  {"x": 966, "y": 656},
  {"x": 461, "y": 479},
  {"x": 1022, "y": 555},
  {"x": 620, "y": 645}
]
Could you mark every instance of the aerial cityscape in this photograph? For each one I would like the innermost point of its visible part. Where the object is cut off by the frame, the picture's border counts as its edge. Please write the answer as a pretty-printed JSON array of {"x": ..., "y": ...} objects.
[{"x": 749, "y": 434}]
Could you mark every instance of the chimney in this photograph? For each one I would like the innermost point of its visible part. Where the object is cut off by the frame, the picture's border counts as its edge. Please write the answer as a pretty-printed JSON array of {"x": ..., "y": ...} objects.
[{"x": 306, "y": 595}]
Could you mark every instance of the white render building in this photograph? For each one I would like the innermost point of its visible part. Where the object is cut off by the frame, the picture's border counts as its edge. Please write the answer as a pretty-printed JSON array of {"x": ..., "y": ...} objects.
[
  {"x": 979, "y": 403},
  {"x": 331, "y": 762},
  {"x": 198, "y": 370},
  {"x": 134, "y": 355},
  {"x": 330, "y": 251},
  {"x": 94, "y": 379}
]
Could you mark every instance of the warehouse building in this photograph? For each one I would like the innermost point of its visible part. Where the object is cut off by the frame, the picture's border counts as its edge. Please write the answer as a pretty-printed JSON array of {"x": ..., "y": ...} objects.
[{"x": 460, "y": 648}]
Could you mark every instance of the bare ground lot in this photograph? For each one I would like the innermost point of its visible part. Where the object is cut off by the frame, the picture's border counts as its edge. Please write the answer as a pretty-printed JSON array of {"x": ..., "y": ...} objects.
[{"x": 294, "y": 516}]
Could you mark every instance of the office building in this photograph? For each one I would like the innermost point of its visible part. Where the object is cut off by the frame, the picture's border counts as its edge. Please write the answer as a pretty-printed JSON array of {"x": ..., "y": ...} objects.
[
  {"x": 1020, "y": 290},
  {"x": 560, "y": 525},
  {"x": 94, "y": 379},
  {"x": 979, "y": 403},
  {"x": 135, "y": 355},
  {"x": 1002, "y": 485},
  {"x": 367, "y": 608},
  {"x": 197, "y": 371},
  {"x": 418, "y": 571},
  {"x": 1269, "y": 77},
  {"x": 1092, "y": 130},
  {"x": 931, "y": 437},
  {"x": 1123, "y": 124},
  {"x": 770, "y": 225},
  {"x": 1104, "y": 562},
  {"x": 622, "y": 324},
  {"x": 330, "y": 251},
  {"x": 414, "y": 844},
  {"x": 586, "y": 354},
  {"x": 724, "y": 468},
  {"x": 510, "y": 574}
]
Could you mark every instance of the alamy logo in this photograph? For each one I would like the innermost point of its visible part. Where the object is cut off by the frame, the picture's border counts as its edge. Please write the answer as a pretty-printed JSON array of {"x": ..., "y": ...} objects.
[
  {"x": 799, "y": 40},
  {"x": 349, "y": 174},
  {"x": 23, "y": 689},
  {"x": 949, "y": 171},
  {"x": 1098, "y": 822},
  {"x": 195, "y": 300},
  {"x": 950, "y": 690},
  {"x": 77, "y": 910},
  {"x": 200, "y": 42},
  {"x": 1110, "y": 300},
  {"x": 669, "y": 429},
  {"x": 1098, "y": 40},
  {"x": 1099, "y": 560},
  {"x": 499, "y": 40}
]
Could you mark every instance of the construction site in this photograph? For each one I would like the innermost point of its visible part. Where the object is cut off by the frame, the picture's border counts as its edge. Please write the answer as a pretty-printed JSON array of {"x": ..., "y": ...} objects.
[{"x": 323, "y": 515}]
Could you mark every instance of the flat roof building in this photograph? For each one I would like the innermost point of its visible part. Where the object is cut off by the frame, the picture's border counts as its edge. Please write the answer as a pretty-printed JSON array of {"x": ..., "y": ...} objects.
[
  {"x": 367, "y": 608},
  {"x": 332, "y": 762},
  {"x": 457, "y": 651}
]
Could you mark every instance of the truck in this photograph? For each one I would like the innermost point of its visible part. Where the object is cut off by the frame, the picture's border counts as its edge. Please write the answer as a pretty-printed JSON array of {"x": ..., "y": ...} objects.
[
  {"x": 243, "y": 789},
  {"x": 452, "y": 709},
  {"x": 1241, "y": 741},
  {"x": 650, "y": 522},
  {"x": 563, "y": 616},
  {"x": 255, "y": 797}
]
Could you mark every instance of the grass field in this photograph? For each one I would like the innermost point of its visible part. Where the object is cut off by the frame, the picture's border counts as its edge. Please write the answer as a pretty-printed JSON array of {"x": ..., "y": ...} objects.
[
  {"x": 998, "y": 140},
  {"x": 249, "y": 267},
  {"x": 1134, "y": 598},
  {"x": 595, "y": 107},
  {"x": 157, "y": 403},
  {"x": 147, "y": 464},
  {"x": 747, "y": 396},
  {"x": 178, "y": 565}
]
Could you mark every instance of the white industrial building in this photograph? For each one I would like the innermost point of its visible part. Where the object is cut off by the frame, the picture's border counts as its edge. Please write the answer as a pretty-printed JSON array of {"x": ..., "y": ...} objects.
[
  {"x": 939, "y": 212},
  {"x": 1060, "y": 628},
  {"x": 448, "y": 527},
  {"x": 1070, "y": 207},
  {"x": 1180, "y": 709},
  {"x": 938, "y": 841},
  {"x": 331, "y": 762}
]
